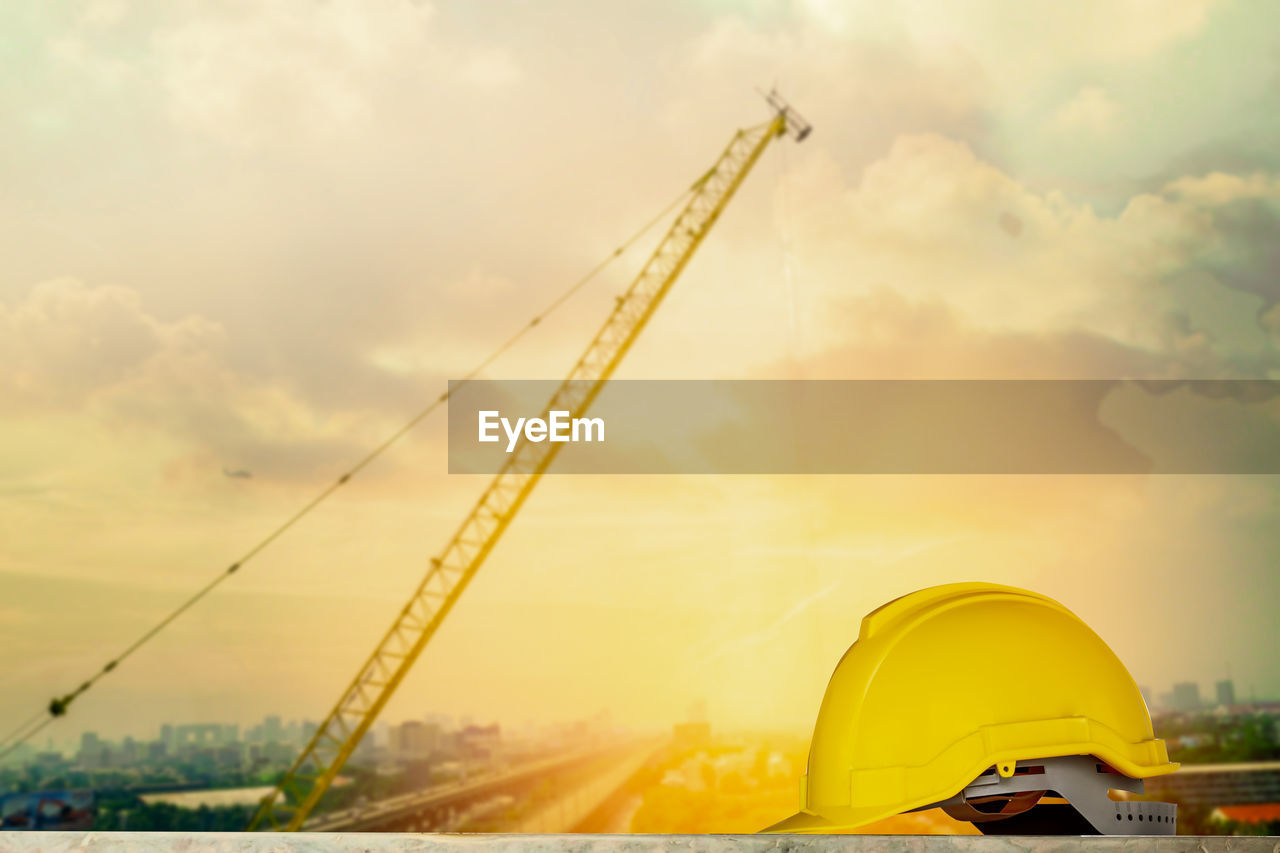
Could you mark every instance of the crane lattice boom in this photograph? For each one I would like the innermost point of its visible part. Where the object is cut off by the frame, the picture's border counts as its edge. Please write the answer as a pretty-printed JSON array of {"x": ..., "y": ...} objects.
[{"x": 309, "y": 777}]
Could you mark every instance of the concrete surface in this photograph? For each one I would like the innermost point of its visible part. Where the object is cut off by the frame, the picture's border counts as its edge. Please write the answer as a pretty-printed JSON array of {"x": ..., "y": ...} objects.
[{"x": 180, "y": 842}]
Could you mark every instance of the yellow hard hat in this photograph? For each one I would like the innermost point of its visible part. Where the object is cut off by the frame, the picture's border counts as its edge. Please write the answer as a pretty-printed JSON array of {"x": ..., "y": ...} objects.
[{"x": 949, "y": 683}]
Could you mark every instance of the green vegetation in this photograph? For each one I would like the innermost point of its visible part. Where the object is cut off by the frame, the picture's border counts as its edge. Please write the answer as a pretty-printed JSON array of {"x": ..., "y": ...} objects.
[
  {"x": 1204, "y": 738},
  {"x": 126, "y": 811}
]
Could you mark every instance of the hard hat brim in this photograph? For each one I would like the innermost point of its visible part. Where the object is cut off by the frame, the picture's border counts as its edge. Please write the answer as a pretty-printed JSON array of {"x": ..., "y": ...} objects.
[{"x": 801, "y": 822}]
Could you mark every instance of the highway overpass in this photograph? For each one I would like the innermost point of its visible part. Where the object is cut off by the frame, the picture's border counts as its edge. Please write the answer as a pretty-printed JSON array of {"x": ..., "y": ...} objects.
[{"x": 449, "y": 806}]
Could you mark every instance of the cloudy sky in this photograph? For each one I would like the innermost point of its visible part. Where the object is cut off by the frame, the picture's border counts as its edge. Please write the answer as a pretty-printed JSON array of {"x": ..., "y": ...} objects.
[{"x": 258, "y": 237}]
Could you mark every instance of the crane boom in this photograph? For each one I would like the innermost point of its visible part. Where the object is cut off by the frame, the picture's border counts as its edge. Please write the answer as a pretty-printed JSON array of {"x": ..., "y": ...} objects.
[{"x": 306, "y": 781}]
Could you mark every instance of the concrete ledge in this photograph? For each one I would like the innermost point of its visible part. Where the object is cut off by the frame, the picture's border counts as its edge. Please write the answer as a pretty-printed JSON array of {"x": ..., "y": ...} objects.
[{"x": 305, "y": 842}]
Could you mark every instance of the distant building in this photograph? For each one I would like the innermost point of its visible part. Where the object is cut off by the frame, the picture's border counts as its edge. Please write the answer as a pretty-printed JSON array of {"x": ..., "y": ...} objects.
[
  {"x": 203, "y": 759},
  {"x": 444, "y": 721},
  {"x": 365, "y": 754},
  {"x": 1185, "y": 697},
  {"x": 48, "y": 810},
  {"x": 1247, "y": 814},
  {"x": 272, "y": 729},
  {"x": 229, "y": 755},
  {"x": 479, "y": 741},
  {"x": 1226, "y": 693},
  {"x": 93, "y": 751},
  {"x": 1246, "y": 783},
  {"x": 414, "y": 740},
  {"x": 272, "y": 753},
  {"x": 1193, "y": 740},
  {"x": 198, "y": 735},
  {"x": 691, "y": 735},
  {"x": 777, "y": 766}
]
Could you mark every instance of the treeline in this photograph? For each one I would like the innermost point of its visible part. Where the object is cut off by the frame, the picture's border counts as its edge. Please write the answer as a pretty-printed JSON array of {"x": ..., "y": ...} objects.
[
  {"x": 133, "y": 814},
  {"x": 1247, "y": 739}
]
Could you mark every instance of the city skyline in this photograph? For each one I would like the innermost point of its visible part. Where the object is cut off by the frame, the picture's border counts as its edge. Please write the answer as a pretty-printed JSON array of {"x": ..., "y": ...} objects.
[
  {"x": 214, "y": 774},
  {"x": 288, "y": 729},
  {"x": 237, "y": 242},
  {"x": 1208, "y": 695}
]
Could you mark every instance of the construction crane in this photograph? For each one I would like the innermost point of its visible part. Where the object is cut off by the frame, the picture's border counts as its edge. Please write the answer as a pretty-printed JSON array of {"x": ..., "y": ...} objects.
[{"x": 306, "y": 781}]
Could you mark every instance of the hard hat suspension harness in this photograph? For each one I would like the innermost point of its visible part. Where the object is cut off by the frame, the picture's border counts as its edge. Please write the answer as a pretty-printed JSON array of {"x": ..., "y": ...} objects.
[{"x": 1012, "y": 805}]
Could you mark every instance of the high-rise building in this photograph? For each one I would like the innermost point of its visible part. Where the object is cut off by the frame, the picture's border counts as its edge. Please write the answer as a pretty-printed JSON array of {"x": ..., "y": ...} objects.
[
  {"x": 229, "y": 754},
  {"x": 444, "y": 721},
  {"x": 415, "y": 740},
  {"x": 1185, "y": 697},
  {"x": 93, "y": 752},
  {"x": 1226, "y": 692},
  {"x": 272, "y": 730},
  {"x": 199, "y": 734},
  {"x": 480, "y": 741}
]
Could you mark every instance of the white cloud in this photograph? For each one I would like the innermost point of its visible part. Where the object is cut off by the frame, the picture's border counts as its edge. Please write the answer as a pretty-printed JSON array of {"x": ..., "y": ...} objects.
[
  {"x": 1091, "y": 109},
  {"x": 246, "y": 74},
  {"x": 95, "y": 358},
  {"x": 1020, "y": 44},
  {"x": 1218, "y": 188},
  {"x": 831, "y": 71},
  {"x": 1006, "y": 31},
  {"x": 934, "y": 222},
  {"x": 239, "y": 76},
  {"x": 103, "y": 13},
  {"x": 1271, "y": 322},
  {"x": 491, "y": 68},
  {"x": 65, "y": 342}
]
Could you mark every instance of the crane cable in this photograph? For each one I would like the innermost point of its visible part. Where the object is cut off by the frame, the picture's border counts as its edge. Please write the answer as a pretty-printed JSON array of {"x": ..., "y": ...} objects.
[{"x": 58, "y": 706}]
